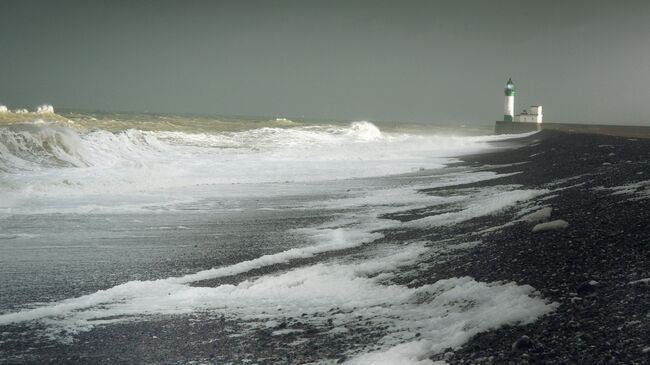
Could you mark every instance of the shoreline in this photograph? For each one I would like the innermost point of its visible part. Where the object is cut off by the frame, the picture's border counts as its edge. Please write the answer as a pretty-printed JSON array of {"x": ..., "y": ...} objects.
[{"x": 595, "y": 269}]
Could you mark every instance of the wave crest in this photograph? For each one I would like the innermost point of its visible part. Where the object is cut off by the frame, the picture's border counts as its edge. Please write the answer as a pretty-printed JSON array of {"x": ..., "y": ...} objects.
[
  {"x": 31, "y": 146},
  {"x": 56, "y": 160},
  {"x": 26, "y": 146},
  {"x": 365, "y": 131}
]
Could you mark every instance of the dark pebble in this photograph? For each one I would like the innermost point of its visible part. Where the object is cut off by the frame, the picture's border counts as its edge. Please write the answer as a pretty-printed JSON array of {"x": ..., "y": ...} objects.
[{"x": 522, "y": 344}]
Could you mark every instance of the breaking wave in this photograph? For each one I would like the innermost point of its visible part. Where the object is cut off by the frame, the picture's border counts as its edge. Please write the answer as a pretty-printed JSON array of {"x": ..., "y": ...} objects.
[
  {"x": 28, "y": 146},
  {"x": 56, "y": 160},
  {"x": 32, "y": 146},
  {"x": 37, "y": 146}
]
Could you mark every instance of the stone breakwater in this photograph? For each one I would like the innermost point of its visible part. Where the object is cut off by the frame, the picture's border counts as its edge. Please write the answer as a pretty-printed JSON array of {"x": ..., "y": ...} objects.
[
  {"x": 596, "y": 264},
  {"x": 631, "y": 131}
]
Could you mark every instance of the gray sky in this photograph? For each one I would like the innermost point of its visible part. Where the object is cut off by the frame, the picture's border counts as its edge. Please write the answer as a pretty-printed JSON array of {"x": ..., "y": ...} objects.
[{"x": 438, "y": 61}]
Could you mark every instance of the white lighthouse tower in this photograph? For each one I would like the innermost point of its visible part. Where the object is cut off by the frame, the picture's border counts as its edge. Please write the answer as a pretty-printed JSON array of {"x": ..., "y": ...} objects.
[{"x": 509, "y": 107}]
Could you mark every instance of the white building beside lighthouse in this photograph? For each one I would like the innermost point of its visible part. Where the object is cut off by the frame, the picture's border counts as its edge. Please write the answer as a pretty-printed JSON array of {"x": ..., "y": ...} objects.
[{"x": 532, "y": 115}]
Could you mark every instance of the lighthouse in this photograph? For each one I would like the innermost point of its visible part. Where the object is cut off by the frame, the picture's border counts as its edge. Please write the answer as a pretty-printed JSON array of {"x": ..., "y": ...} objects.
[{"x": 509, "y": 107}]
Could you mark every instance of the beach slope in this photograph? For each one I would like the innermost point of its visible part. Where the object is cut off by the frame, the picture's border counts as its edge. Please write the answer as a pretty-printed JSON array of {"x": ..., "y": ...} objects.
[{"x": 586, "y": 246}]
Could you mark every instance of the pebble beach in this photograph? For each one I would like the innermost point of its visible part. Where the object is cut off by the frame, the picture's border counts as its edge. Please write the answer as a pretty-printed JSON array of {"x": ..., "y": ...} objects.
[{"x": 595, "y": 266}]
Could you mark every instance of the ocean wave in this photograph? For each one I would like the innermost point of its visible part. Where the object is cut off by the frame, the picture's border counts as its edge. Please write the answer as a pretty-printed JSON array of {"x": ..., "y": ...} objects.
[
  {"x": 36, "y": 145},
  {"x": 28, "y": 146},
  {"x": 56, "y": 160}
]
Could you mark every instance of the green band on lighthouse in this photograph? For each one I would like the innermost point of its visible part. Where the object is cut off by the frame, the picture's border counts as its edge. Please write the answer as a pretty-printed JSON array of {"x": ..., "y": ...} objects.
[{"x": 510, "y": 88}]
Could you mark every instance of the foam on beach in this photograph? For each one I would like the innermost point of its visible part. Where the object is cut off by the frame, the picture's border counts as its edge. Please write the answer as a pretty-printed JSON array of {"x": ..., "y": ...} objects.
[
  {"x": 446, "y": 313},
  {"x": 484, "y": 202},
  {"x": 637, "y": 190}
]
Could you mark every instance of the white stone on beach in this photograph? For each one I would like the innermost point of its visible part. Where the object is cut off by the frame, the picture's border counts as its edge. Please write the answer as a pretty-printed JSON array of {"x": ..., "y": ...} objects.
[
  {"x": 640, "y": 281},
  {"x": 555, "y": 225},
  {"x": 538, "y": 216}
]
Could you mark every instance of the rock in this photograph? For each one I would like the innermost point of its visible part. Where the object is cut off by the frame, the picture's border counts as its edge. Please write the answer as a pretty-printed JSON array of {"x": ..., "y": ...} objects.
[
  {"x": 576, "y": 300},
  {"x": 522, "y": 344},
  {"x": 555, "y": 225},
  {"x": 537, "y": 216},
  {"x": 587, "y": 288}
]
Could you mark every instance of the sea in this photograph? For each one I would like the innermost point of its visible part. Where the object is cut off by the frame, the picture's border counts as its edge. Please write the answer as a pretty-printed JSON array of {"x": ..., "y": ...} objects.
[{"x": 144, "y": 238}]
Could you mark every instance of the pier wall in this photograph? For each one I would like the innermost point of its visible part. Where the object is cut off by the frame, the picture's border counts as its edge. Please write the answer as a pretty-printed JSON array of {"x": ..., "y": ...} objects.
[{"x": 502, "y": 127}]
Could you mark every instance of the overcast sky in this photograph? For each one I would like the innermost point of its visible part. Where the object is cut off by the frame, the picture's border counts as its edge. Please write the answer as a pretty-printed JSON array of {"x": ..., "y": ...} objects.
[{"x": 428, "y": 61}]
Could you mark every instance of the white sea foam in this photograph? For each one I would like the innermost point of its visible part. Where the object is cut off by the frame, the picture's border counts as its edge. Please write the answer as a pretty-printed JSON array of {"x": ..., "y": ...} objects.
[
  {"x": 484, "y": 202},
  {"x": 446, "y": 313},
  {"x": 639, "y": 189},
  {"x": 410, "y": 195},
  {"x": 330, "y": 239},
  {"x": 56, "y": 162},
  {"x": 26, "y": 147},
  {"x": 341, "y": 234},
  {"x": 45, "y": 109}
]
